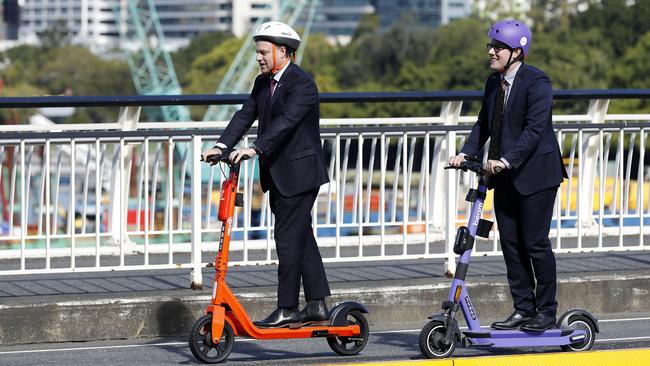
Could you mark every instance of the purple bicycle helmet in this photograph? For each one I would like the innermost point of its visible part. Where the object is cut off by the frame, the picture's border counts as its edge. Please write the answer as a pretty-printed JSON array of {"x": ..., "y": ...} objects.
[{"x": 512, "y": 32}]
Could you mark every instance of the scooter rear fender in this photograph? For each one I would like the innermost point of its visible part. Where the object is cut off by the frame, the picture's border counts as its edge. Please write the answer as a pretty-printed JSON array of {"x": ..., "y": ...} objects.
[
  {"x": 338, "y": 315},
  {"x": 563, "y": 322}
]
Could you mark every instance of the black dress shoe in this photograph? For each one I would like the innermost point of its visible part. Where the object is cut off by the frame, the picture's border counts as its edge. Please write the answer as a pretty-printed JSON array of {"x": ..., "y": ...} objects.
[
  {"x": 539, "y": 323},
  {"x": 279, "y": 318},
  {"x": 314, "y": 311},
  {"x": 512, "y": 322}
]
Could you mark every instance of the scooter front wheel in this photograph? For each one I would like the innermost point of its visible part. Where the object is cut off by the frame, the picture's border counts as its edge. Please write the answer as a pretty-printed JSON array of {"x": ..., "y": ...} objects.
[
  {"x": 202, "y": 346},
  {"x": 348, "y": 346},
  {"x": 582, "y": 323},
  {"x": 431, "y": 341}
]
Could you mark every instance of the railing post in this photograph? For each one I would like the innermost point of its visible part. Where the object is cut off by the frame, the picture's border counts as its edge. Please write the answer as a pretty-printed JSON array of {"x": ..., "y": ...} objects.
[
  {"x": 589, "y": 153},
  {"x": 196, "y": 261},
  {"x": 128, "y": 119},
  {"x": 444, "y": 185}
]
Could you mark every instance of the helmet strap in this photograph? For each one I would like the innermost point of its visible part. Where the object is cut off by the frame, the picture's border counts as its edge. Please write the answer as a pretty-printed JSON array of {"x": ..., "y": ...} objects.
[
  {"x": 507, "y": 66},
  {"x": 276, "y": 68},
  {"x": 510, "y": 62}
]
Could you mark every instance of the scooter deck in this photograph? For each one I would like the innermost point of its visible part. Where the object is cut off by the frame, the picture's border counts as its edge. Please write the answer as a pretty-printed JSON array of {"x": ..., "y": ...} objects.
[
  {"x": 324, "y": 323},
  {"x": 302, "y": 332},
  {"x": 520, "y": 338}
]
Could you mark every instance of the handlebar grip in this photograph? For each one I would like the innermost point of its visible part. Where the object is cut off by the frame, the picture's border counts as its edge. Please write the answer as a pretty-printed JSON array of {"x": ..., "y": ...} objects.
[
  {"x": 471, "y": 165},
  {"x": 475, "y": 159},
  {"x": 223, "y": 158}
]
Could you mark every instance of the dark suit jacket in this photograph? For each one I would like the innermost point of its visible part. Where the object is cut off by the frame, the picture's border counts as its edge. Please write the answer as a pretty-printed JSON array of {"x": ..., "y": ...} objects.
[
  {"x": 528, "y": 142},
  {"x": 288, "y": 137}
]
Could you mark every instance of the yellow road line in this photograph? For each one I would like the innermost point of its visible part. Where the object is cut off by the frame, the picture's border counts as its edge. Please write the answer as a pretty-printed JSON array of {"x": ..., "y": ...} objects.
[{"x": 633, "y": 357}]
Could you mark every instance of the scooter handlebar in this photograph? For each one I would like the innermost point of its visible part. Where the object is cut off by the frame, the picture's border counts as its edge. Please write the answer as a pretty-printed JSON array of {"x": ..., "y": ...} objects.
[
  {"x": 472, "y": 164},
  {"x": 223, "y": 158}
]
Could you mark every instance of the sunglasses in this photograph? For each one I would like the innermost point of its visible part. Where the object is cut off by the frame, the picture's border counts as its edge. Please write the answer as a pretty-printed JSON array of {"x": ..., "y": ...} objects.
[{"x": 497, "y": 47}]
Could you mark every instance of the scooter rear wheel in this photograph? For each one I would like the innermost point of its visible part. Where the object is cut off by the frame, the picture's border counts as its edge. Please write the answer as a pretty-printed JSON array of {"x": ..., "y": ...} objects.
[
  {"x": 582, "y": 323},
  {"x": 202, "y": 346},
  {"x": 348, "y": 346},
  {"x": 431, "y": 338}
]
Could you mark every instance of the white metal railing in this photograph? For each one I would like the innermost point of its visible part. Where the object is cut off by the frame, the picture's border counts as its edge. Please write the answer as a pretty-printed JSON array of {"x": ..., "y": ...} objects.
[{"x": 97, "y": 198}]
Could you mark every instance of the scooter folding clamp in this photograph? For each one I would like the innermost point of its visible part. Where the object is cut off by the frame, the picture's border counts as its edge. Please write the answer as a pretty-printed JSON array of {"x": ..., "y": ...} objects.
[
  {"x": 474, "y": 194},
  {"x": 239, "y": 200},
  {"x": 464, "y": 240},
  {"x": 484, "y": 228}
]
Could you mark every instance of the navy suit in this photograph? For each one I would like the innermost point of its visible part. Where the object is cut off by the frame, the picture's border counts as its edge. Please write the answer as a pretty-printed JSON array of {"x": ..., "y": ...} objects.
[
  {"x": 292, "y": 168},
  {"x": 524, "y": 195}
]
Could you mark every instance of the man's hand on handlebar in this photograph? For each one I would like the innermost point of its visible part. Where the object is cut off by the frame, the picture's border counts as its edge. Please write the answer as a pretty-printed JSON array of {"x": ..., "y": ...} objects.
[
  {"x": 465, "y": 163},
  {"x": 212, "y": 156},
  {"x": 242, "y": 154},
  {"x": 457, "y": 161},
  {"x": 492, "y": 167}
]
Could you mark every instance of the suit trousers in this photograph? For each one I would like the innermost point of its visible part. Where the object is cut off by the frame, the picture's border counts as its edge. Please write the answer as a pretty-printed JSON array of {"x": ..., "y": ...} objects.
[
  {"x": 524, "y": 223},
  {"x": 296, "y": 247}
]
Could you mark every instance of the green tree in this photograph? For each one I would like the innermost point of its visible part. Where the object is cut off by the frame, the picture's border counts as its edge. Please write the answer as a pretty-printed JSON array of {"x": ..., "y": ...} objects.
[
  {"x": 368, "y": 24},
  {"x": 377, "y": 57},
  {"x": 75, "y": 70},
  {"x": 23, "y": 63},
  {"x": 459, "y": 51},
  {"x": 622, "y": 24},
  {"x": 321, "y": 61},
  {"x": 633, "y": 71},
  {"x": 572, "y": 59},
  {"x": 184, "y": 57},
  {"x": 208, "y": 70},
  {"x": 56, "y": 35}
]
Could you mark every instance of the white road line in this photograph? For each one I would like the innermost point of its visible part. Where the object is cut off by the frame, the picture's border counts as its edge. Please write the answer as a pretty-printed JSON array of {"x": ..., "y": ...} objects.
[
  {"x": 93, "y": 348},
  {"x": 622, "y": 320},
  {"x": 623, "y": 339}
]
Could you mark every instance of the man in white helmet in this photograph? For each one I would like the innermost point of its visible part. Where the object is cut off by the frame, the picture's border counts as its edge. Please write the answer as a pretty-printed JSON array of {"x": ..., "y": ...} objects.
[{"x": 292, "y": 168}]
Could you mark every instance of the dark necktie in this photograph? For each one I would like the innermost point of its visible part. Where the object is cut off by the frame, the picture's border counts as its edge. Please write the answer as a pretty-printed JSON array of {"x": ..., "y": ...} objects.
[
  {"x": 274, "y": 83},
  {"x": 497, "y": 117},
  {"x": 269, "y": 99}
]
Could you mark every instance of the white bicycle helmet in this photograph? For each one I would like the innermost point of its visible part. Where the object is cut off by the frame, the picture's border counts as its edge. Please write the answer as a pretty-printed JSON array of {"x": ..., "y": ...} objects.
[{"x": 279, "y": 34}]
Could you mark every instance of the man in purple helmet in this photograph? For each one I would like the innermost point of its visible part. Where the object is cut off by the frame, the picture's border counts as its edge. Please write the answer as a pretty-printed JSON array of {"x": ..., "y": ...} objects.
[{"x": 525, "y": 168}]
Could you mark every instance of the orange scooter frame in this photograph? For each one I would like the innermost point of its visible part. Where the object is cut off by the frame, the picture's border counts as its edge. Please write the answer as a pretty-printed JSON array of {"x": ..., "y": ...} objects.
[{"x": 212, "y": 336}]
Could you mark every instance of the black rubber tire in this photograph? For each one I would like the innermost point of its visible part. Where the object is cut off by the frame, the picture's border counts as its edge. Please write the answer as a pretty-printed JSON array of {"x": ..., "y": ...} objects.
[
  {"x": 201, "y": 343},
  {"x": 348, "y": 346},
  {"x": 584, "y": 323},
  {"x": 430, "y": 338}
]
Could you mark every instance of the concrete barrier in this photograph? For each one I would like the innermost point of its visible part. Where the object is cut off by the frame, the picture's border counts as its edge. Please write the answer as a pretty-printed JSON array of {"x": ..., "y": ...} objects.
[{"x": 393, "y": 304}]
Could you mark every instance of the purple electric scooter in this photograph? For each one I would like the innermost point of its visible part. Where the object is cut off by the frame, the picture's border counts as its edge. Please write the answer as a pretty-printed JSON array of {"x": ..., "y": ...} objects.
[{"x": 576, "y": 329}]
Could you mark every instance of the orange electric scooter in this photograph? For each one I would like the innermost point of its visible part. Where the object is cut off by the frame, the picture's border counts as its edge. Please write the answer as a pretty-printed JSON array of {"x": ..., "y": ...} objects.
[{"x": 213, "y": 335}]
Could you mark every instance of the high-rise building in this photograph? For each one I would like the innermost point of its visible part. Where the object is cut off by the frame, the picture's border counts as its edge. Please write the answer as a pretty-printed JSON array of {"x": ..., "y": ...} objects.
[
  {"x": 455, "y": 9},
  {"x": 93, "y": 22},
  {"x": 85, "y": 21},
  {"x": 339, "y": 18},
  {"x": 429, "y": 13}
]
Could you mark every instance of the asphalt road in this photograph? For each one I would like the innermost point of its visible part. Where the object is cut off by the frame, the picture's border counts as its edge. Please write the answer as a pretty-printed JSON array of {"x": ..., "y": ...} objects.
[{"x": 618, "y": 331}]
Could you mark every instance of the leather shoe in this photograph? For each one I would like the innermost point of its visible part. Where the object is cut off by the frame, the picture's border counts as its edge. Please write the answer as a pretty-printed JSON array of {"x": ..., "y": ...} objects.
[
  {"x": 539, "y": 323},
  {"x": 512, "y": 322},
  {"x": 314, "y": 311},
  {"x": 279, "y": 317}
]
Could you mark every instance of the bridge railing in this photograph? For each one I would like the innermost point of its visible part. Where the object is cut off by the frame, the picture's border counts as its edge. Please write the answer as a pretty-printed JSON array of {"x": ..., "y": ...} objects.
[{"x": 133, "y": 195}]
